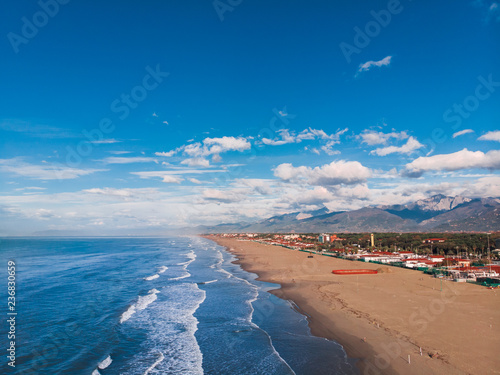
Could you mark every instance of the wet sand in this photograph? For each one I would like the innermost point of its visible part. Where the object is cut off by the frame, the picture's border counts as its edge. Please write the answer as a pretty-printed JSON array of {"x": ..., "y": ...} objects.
[{"x": 384, "y": 318}]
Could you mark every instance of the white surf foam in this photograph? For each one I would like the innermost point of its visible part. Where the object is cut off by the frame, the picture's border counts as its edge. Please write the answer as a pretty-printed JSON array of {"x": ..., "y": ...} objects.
[
  {"x": 95, "y": 372},
  {"x": 220, "y": 260},
  {"x": 151, "y": 368},
  {"x": 249, "y": 302},
  {"x": 172, "y": 345},
  {"x": 210, "y": 282},
  {"x": 191, "y": 257},
  {"x": 181, "y": 277},
  {"x": 162, "y": 269},
  {"x": 141, "y": 304},
  {"x": 152, "y": 277},
  {"x": 105, "y": 363}
]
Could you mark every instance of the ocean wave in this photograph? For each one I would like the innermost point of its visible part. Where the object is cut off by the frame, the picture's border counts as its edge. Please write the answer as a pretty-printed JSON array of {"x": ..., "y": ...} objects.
[
  {"x": 141, "y": 304},
  {"x": 152, "y": 367},
  {"x": 220, "y": 259},
  {"x": 95, "y": 372},
  {"x": 180, "y": 277},
  {"x": 172, "y": 347},
  {"x": 152, "y": 277},
  {"x": 105, "y": 363},
  {"x": 162, "y": 269},
  {"x": 249, "y": 318},
  {"x": 191, "y": 257}
]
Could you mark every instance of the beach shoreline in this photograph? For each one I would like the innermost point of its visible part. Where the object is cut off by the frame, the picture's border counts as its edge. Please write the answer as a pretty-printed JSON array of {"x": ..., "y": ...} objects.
[{"x": 383, "y": 320}]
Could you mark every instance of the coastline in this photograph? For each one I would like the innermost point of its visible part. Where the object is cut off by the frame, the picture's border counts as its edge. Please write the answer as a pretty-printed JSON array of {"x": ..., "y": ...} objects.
[{"x": 382, "y": 319}]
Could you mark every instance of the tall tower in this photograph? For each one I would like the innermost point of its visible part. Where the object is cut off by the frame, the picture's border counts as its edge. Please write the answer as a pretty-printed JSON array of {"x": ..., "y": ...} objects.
[{"x": 372, "y": 240}]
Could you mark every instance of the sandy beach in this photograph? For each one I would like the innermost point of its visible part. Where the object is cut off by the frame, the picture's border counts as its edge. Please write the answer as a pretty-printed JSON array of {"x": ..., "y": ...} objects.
[{"x": 385, "y": 320}]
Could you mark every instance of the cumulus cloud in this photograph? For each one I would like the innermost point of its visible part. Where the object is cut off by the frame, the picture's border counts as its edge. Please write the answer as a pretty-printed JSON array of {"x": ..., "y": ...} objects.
[
  {"x": 224, "y": 144},
  {"x": 167, "y": 154},
  {"x": 372, "y": 137},
  {"x": 463, "y": 159},
  {"x": 210, "y": 147},
  {"x": 491, "y": 136},
  {"x": 171, "y": 179},
  {"x": 287, "y": 136},
  {"x": 462, "y": 132},
  {"x": 483, "y": 187},
  {"x": 335, "y": 173},
  {"x": 370, "y": 64},
  {"x": 316, "y": 196},
  {"x": 328, "y": 148},
  {"x": 48, "y": 171},
  {"x": 196, "y": 162},
  {"x": 411, "y": 145},
  {"x": 194, "y": 181}
]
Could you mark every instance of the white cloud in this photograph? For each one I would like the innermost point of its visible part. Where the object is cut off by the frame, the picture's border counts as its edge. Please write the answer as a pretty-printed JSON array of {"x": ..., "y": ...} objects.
[
  {"x": 491, "y": 136},
  {"x": 371, "y": 137},
  {"x": 170, "y": 179},
  {"x": 287, "y": 136},
  {"x": 463, "y": 159},
  {"x": 224, "y": 144},
  {"x": 30, "y": 188},
  {"x": 316, "y": 196},
  {"x": 328, "y": 148},
  {"x": 128, "y": 160},
  {"x": 168, "y": 154},
  {"x": 222, "y": 196},
  {"x": 105, "y": 141},
  {"x": 483, "y": 187},
  {"x": 196, "y": 162},
  {"x": 152, "y": 174},
  {"x": 411, "y": 145},
  {"x": 126, "y": 194},
  {"x": 165, "y": 175},
  {"x": 210, "y": 146},
  {"x": 369, "y": 64},
  {"x": 335, "y": 173},
  {"x": 260, "y": 186},
  {"x": 120, "y": 152},
  {"x": 47, "y": 171},
  {"x": 194, "y": 181},
  {"x": 462, "y": 132}
]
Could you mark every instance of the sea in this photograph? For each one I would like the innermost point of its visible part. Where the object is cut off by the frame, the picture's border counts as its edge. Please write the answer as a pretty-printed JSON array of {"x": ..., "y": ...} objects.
[{"x": 139, "y": 306}]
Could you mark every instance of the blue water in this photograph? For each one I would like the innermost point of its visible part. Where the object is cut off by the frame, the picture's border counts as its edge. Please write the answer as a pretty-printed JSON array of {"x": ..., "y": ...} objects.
[{"x": 152, "y": 306}]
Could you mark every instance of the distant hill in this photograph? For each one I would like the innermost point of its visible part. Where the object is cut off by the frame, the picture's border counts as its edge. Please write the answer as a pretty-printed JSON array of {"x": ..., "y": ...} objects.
[{"x": 438, "y": 213}]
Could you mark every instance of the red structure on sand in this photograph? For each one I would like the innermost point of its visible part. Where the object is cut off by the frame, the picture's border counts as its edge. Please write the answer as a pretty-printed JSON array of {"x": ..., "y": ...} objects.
[{"x": 354, "y": 272}]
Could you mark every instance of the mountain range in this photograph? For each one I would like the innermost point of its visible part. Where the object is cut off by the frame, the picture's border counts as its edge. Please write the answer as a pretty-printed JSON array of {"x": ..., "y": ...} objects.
[{"x": 438, "y": 213}]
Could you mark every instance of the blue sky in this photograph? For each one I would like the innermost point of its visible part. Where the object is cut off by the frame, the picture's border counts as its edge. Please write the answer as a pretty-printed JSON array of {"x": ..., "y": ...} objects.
[{"x": 130, "y": 117}]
